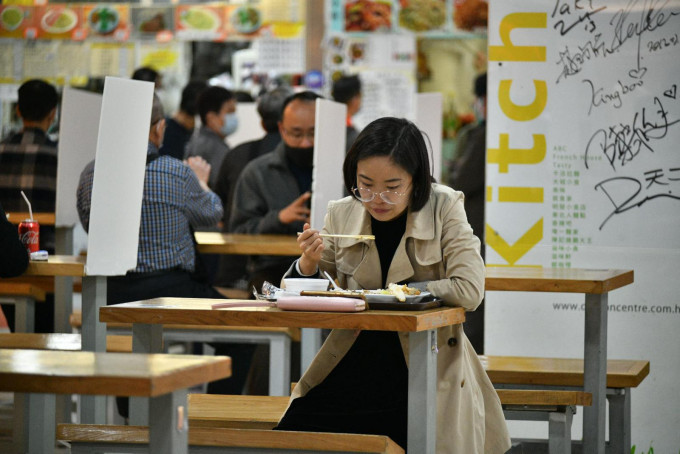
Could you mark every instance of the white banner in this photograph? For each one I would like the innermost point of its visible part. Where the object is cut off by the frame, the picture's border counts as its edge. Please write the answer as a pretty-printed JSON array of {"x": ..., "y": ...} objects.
[{"x": 583, "y": 171}]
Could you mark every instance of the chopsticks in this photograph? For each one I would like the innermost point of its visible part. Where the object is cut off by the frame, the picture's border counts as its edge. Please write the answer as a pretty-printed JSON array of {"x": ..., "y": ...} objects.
[{"x": 338, "y": 235}]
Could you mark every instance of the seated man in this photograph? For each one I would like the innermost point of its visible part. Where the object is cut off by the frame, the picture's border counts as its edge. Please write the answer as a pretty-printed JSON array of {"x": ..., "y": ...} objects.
[
  {"x": 232, "y": 268},
  {"x": 180, "y": 127},
  {"x": 217, "y": 108},
  {"x": 272, "y": 193},
  {"x": 347, "y": 90},
  {"x": 176, "y": 199}
]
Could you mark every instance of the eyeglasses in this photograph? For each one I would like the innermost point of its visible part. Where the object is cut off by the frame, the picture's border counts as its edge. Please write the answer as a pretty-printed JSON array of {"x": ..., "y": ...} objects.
[
  {"x": 366, "y": 195},
  {"x": 299, "y": 135}
]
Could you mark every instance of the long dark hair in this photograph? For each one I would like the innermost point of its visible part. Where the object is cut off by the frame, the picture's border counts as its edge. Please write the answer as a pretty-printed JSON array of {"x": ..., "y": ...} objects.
[{"x": 403, "y": 143}]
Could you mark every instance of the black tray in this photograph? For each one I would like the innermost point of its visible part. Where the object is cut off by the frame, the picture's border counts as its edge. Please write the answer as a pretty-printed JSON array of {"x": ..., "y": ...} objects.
[{"x": 398, "y": 306}]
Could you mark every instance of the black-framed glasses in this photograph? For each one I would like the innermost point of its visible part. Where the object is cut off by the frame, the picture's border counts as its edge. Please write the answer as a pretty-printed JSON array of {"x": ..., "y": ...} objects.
[{"x": 367, "y": 195}]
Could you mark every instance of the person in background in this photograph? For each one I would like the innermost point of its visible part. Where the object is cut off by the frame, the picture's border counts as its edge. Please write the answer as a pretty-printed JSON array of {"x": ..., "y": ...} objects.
[
  {"x": 273, "y": 191},
  {"x": 176, "y": 198},
  {"x": 232, "y": 268},
  {"x": 180, "y": 127},
  {"x": 467, "y": 174},
  {"x": 347, "y": 90},
  {"x": 272, "y": 195},
  {"x": 148, "y": 74},
  {"x": 243, "y": 96},
  {"x": 28, "y": 162},
  {"x": 14, "y": 257},
  {"x": 421, "y": 238},
  {"x": 217, "y": 108}
]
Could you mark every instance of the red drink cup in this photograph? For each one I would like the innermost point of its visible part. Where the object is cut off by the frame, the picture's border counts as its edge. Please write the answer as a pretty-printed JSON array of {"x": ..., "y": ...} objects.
[{"x": 29, "y": 234}]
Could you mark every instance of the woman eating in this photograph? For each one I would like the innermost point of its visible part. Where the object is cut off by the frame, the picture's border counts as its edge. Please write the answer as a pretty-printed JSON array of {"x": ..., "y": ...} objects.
[{"x": 358, "y": 381}]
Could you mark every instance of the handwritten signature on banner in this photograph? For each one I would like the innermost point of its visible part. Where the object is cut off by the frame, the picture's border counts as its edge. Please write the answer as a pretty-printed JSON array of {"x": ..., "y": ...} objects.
[
  {"x": 625, "y": 33},
  {"x": 634, "y": 20}
]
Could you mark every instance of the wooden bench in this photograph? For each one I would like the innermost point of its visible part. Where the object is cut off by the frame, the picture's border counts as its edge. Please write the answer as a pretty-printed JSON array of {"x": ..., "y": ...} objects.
[
  {"x": 60, "y": 341},
  {"x": 94, "y": 438},
  {"x": 279, "y": 340},
  {"x": 563, "y": 373},
  {"x": 242, "y": 420}
]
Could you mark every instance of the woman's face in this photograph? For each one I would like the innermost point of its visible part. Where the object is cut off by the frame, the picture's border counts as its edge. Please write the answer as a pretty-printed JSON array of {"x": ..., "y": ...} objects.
[{"x": 379, "y": 174}]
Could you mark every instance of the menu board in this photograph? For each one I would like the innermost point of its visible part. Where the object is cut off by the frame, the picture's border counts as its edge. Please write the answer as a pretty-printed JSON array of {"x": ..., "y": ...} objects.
[
  {"x": 217, "y": 21},
  {"x": 422, "y": 17},
  {"x": 385, "y": 64},
  {"x": 59, "y": 22}
]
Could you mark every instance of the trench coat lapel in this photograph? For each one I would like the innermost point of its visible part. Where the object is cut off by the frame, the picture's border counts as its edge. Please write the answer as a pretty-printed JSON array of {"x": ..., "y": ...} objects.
[
  {"x": 359, "y": 223},
  {"x": 419, "y": 226}
]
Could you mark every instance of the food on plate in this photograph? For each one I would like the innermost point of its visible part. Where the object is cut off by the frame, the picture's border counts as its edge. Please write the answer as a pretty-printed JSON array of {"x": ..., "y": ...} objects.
[
  {"x": 469, "y": 14},
  {"x": 153, "y": 24},
  {"x": 103, "y": 19},
  {"x": 246, "y": 19},
  {"x": 58, "y": 20},
  {"x": 399, "y": 291},
  {"x": 367, "y": 15},
  {"x": 11, "y": 18},
  {"x": 422, "y": 15},
  {"x": 199, "y": 19}
]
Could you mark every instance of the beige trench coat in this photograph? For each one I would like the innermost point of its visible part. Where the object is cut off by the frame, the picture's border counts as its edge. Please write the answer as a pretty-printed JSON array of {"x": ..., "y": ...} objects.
[{"x": 438, "y": 246}]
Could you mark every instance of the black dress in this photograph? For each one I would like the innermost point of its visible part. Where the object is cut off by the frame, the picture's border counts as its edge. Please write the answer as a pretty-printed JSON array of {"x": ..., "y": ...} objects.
[{"x": 366, "y": 393}]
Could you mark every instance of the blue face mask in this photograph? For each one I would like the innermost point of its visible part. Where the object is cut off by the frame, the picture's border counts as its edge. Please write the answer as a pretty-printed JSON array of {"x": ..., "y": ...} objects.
[{"x": 230, "y": 124}]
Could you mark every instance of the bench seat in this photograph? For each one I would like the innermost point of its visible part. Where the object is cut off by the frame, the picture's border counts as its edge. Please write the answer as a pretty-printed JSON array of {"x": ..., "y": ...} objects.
[
  {"x": 93, "y": 436},
  {"x": 60, "y": 341}
]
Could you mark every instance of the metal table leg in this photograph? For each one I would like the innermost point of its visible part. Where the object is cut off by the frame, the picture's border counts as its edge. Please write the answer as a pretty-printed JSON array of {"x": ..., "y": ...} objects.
[
  {"x": 310, "y": 344},
  {"x": 422, "y": 392},
  {"x": 93, "y": 408},
  {"x": 168, "y": 431},
  {"x": 595, "y": 372},
  {"x": 41, "y": 431},
  {"x": 279, "y": 366},
  {"x": 145, "y": 339}
]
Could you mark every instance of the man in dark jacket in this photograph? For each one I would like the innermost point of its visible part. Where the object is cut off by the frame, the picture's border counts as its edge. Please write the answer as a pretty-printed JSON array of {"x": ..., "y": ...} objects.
[{"x": 232, "y": 268}]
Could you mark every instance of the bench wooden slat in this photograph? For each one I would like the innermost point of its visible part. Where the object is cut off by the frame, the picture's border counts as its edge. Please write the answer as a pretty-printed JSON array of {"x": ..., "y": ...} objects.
[
  {"x": 22, "y": 289},
  {"x": 236, "y": 411},
  {"x": 60, "y": 341},
  {"x": 45, "y": 282},
  {"x": 75, "y": 320},
  {"x": 538, "y": 397},
  {"x": 244, "y": 438},
  {"x": 560, "y": 371}
]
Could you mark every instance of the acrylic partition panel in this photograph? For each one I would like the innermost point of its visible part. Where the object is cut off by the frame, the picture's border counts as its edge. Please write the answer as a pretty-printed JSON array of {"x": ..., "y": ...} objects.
[
  {"x": 78, "y": 129},
  {"x": 329, "y": 155},
  {"x": 119, "y": 176}
]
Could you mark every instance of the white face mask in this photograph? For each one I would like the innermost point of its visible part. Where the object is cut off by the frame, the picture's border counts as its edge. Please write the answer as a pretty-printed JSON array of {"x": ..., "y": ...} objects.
[{"x": 229, "y": 124}]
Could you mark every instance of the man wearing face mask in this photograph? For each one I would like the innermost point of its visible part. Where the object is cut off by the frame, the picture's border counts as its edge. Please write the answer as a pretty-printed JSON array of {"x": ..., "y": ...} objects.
[
  {"x": 272, "y": 193},
  {"x": 217, "y": 109}
]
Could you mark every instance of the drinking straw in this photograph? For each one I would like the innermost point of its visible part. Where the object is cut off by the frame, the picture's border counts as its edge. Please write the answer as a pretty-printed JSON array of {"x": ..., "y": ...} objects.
[{"x": 30, "y": 210}]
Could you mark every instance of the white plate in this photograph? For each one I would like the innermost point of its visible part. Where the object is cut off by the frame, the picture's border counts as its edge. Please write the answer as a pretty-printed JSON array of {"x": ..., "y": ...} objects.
[{"x": 381, "y": 297}]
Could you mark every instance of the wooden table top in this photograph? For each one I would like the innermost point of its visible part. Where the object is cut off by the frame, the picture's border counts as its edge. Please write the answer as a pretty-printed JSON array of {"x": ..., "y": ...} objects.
[
  {"x": 58, "y": 265},
  {"x": 121, "y": 374},
  {"x": 246, "y": 244},
  {"x": 558, "y": 280},
  {"x": 15, "y": 217},
  {"x": 194, "y": 311}
]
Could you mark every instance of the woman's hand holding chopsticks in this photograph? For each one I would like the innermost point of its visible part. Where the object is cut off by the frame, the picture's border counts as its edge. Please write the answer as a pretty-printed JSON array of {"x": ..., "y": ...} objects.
[{"x": 311, "y": 245}]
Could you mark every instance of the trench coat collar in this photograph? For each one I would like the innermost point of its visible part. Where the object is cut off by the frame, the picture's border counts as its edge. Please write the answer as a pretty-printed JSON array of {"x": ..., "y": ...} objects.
[{"x": 419, "y": 226}]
